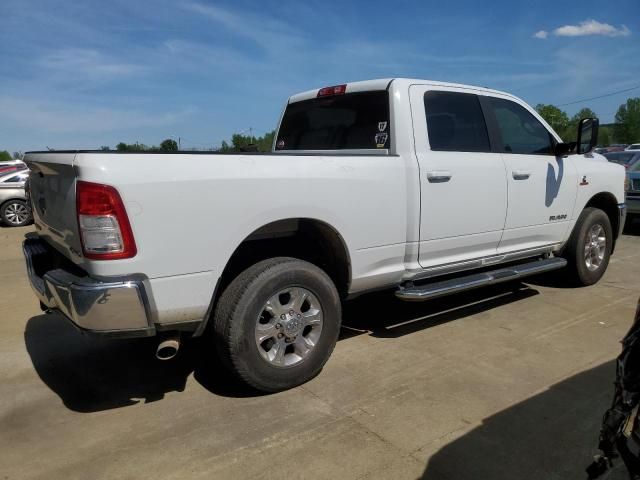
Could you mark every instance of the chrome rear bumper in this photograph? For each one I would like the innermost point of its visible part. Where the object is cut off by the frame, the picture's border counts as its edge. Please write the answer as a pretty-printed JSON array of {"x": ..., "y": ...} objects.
[{"x": 114, "y": 308}]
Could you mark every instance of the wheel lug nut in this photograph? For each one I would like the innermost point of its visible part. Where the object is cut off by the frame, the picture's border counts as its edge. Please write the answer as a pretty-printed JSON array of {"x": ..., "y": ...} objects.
[
  {"x": 280, "y": 335},
  {"x": 278, "y": 326},
  {"x": 283, "y": 316},
  {"x": 299, "y": 315},
  {"x": 291, "y": 312}
]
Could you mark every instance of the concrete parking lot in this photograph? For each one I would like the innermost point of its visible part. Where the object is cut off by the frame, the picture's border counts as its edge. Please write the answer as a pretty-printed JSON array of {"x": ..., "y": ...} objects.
[{"x": 502, "y": 383}]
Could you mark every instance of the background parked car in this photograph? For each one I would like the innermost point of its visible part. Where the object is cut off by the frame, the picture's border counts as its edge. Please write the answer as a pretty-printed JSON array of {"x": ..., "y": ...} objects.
[
  {"x": 11, "y": 166},
  {"x": 630, "y": 159},
  {"x": 617, "y": 147},
  {"x": 633, "y": 146},
  {"x": 14, "y": 208},
  {"x": 632, "y": 190},
  {"x": 627, "y": 158}
]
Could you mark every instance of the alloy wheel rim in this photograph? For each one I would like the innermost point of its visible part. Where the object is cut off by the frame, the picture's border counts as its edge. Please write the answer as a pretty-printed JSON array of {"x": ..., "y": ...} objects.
[
  {"x": 595, "y": 246},
  {"x": 16, "y": 213},
  {"x": 289, "y": 326}
]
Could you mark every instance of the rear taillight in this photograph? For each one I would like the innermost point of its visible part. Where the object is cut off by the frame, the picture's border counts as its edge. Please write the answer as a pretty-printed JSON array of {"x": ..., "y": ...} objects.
[
  {"x": 104, "y": 226},
  {"x": 335, "y": 90}
]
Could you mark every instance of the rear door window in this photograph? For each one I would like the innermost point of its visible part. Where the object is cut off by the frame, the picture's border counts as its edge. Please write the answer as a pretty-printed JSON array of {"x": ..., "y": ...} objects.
[
  {"x": 519, "y": 130},
  {"x": 354, "y": 121},
  {"x": 455, "y": 122}
]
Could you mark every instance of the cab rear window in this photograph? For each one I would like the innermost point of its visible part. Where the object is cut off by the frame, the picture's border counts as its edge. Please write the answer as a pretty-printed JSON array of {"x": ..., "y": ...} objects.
[{"x": 354, "y": 121}]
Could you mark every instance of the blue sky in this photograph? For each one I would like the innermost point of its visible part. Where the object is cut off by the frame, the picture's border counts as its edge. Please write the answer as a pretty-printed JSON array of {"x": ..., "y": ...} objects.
[{"x": 81, "y": 74}]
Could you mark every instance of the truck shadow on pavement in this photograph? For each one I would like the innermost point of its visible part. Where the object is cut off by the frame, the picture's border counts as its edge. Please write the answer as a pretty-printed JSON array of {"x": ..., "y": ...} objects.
[
  {"x": 382, "y": 315},
  {"x": 94, "y": 374},
  {"x": 551, "y": 435}
]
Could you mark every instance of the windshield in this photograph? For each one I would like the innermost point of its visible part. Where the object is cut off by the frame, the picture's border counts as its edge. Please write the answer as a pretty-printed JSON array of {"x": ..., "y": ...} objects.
[{"x": 341, "y": 122}]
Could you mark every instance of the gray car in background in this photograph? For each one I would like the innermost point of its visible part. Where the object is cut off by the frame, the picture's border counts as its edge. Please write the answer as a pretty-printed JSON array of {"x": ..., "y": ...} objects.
[
  {"x": 14, "y": 207},
  {"x": 630, "y": 159},
  {"x": 627, "y": 158}
]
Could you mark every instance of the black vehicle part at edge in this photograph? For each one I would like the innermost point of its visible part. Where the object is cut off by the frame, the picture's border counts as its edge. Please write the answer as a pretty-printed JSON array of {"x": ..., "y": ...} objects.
[{"x": 620, "y": 424}]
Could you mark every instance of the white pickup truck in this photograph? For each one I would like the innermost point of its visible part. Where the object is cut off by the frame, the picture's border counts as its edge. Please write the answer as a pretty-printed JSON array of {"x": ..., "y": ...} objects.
[{"x": 424, "y": 187}]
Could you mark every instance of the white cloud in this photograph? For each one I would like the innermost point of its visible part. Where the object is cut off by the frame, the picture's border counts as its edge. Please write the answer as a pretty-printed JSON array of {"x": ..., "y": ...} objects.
[
  {"x": 45, "y": 117},
  {"x": 88, "y": 62},
  {"x": 592, "y": 27},
  {"x": 541, "y": 34},
  {"x": 266, "y": 31}
]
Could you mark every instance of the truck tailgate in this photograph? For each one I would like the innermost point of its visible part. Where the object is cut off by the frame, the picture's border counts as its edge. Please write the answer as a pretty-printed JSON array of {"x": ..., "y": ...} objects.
[{"x": 52, "y": 188}]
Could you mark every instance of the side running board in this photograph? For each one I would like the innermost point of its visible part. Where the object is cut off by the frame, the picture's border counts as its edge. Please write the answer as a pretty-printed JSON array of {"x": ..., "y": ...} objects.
[{"x": 428, "y": 291}]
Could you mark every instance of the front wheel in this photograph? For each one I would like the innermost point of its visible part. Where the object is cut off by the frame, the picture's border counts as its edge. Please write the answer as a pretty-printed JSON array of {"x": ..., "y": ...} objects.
[
  {"x": 277, "y": 323},
  {"x": 589, "y": 247}
]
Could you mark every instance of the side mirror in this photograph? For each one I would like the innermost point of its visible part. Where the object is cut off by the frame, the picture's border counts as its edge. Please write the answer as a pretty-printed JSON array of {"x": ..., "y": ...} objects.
[{"x": 587, "y": 135}]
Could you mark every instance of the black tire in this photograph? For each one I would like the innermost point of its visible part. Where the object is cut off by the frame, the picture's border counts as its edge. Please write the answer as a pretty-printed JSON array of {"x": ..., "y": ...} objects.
[
  {"x": 240, "y": 306},
  {"x": 578, "y": 271},
  {"x": 8, "y": 213}
]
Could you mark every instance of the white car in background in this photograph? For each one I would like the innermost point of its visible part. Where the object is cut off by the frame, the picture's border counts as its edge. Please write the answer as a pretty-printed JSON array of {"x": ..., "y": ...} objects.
[
  {"x": 11, "y": 166},
  {"x": 14, "y": 207},
  {"x": 633, "y": 146}
]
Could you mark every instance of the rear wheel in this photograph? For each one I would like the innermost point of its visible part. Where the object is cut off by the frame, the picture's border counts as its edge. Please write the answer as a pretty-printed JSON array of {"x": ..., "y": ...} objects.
[
  {"x": 589, "y": 247},
  {"x": 277, "y": 323},
  {"x": 15, "y": 213}
]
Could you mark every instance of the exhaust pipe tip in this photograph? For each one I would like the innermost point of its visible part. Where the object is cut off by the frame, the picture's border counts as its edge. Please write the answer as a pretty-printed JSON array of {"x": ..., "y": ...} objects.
[{"x": 167, "y": 349}]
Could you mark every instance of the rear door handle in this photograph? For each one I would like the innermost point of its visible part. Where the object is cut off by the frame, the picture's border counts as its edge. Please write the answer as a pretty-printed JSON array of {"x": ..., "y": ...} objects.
[
  {"x": 520, "y": 174},
  {"x": 438, "y": 176}
]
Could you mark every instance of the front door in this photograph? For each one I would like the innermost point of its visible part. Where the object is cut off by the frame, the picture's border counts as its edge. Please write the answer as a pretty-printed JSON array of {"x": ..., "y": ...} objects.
[
  {"x": 463, "y": 184},
  {"x": 541, "y": 187}
]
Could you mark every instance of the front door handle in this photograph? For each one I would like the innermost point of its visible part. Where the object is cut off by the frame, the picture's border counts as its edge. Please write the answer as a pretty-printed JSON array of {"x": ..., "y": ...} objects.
[
  {"x": 520, "y": 174},
  {"x": 438, "y": 176}
]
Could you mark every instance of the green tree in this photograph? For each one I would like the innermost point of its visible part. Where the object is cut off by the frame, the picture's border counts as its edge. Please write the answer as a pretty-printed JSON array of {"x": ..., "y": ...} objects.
[
  {"x": 583, "y": 113},
  {"x": 240, "y": 143},
  {"x": 169, "y": 145},
  {"x": 627, "y": 126},
  {"x": 225, "y": 147},
  {"x": 5, "y": 156},
  {"x": 555, "y": 117},
  {"x": 604, "y": 136},
  {"x": 105, "y": 148},
  {"x": 265, "y": 143},
  {"x": 131, "y": 147},
  {"x": 571, "y": 132}
]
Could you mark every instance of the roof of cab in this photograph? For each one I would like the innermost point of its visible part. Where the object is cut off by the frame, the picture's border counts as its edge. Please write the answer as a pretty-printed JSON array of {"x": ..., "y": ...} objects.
[{"x": 383, "y": 84}]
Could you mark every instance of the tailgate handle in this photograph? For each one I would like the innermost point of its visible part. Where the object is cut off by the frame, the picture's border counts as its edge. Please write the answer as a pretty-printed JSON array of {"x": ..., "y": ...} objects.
[{"x": 438, "y": 176}]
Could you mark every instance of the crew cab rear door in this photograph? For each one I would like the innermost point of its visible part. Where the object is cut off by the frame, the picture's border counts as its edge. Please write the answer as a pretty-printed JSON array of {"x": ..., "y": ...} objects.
[{"x": 463, "y": 183}]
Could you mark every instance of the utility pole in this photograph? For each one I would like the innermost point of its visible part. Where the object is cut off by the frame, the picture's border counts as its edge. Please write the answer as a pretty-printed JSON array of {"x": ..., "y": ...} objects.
[{"x": 178, "y": 143}]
